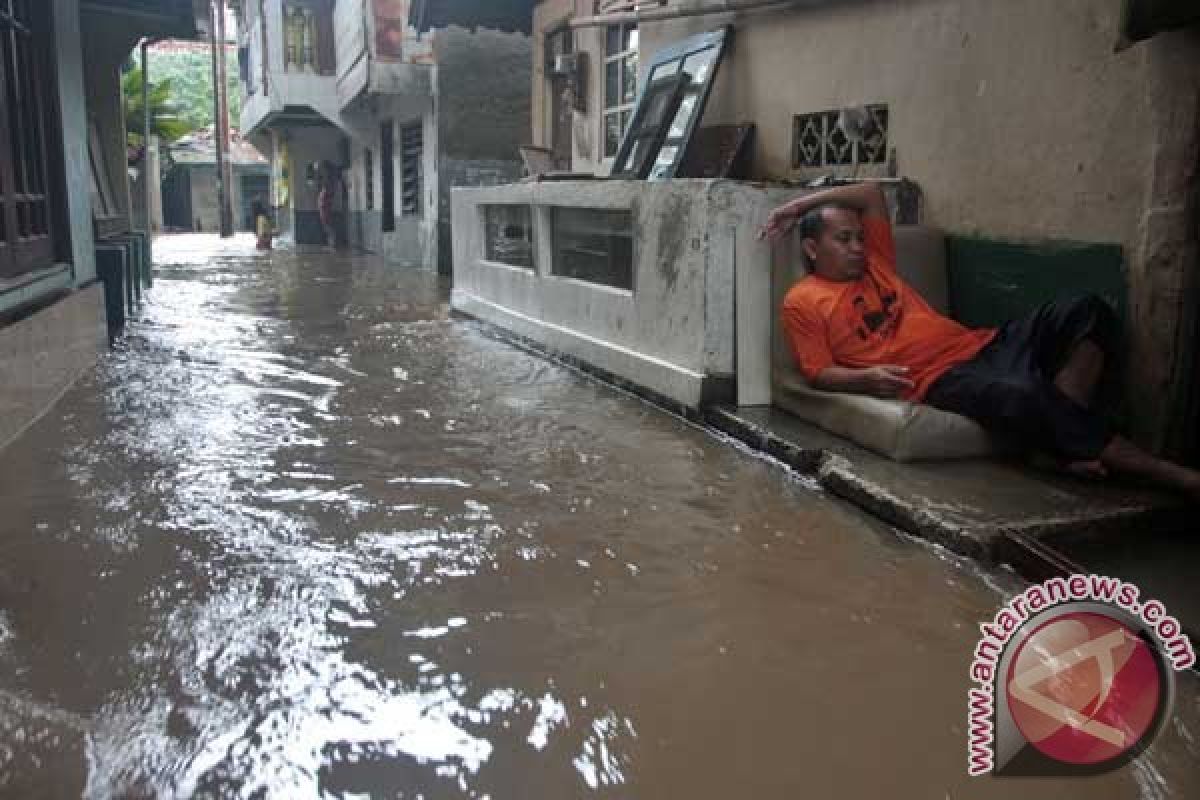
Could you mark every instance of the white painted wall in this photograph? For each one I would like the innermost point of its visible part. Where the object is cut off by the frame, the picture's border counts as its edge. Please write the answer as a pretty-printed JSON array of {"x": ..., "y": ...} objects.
[{"x": 676, "y": 328}]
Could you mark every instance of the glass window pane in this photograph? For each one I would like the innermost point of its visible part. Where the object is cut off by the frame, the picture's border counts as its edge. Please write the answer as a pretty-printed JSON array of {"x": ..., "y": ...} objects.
[
  {"x": 635, "y": 152},
  {"x": 626, "y": 117},
  {"x": 612, "y": 43},
  {"x": 656, "y": 107},
  {"x": 665, "y": 164},
  {"x": 698, "y": 65},
  {"x": 612, "y": 134},
  {"x": 687, "y": 107},
  {"x": 594, "y": 245},
  {"x": 629, "y": 79},
  {"x": 612, "y": 84},
  {"x": 508, "y": 235},
  {"x": 631, "y": 38},
  {"x": 663, "y": 70}
]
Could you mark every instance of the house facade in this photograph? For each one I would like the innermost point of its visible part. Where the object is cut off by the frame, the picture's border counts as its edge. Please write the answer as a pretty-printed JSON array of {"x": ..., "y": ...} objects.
[
  {"x": 189, "y": 187},
  {"x": 401, "y": 114},
  {"x": 1057, "y": 145},
  {"x": 62, "y": 129}
]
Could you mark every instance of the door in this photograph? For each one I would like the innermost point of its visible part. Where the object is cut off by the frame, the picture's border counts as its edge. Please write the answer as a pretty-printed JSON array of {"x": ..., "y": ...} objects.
[
  {"x": 387, "y": 163},
  {"x": 25, "y": 202},
  {"x": 255, "y": 189}
]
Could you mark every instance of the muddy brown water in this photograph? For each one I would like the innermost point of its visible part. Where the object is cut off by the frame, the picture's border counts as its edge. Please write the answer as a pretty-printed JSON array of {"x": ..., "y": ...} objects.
[{"x": 302, "y": 534}]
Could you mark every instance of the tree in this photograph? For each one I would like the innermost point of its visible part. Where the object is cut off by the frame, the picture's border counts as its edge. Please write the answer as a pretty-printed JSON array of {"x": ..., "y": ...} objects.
[
  {"x": 189, "y": 70},
  {"x": 165, "y": 120}
]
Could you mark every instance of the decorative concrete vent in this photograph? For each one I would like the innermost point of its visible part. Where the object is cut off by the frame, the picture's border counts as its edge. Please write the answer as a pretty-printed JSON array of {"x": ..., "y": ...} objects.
[{"x": 841, "y": 137}]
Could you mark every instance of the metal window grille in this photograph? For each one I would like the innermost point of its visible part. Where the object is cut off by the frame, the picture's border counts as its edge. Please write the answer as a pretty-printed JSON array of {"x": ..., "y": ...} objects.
[
  {"x": 411, "y": 147},
  {"x": 818, "y": 139}
]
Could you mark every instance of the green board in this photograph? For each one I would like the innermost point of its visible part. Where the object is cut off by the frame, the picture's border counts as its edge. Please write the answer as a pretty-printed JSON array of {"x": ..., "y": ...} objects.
[{"x": 992, "y": 281}]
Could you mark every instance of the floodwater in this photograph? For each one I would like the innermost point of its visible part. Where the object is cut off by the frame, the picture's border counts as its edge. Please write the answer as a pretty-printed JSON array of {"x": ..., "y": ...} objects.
[{"x": 302, "y": 534}]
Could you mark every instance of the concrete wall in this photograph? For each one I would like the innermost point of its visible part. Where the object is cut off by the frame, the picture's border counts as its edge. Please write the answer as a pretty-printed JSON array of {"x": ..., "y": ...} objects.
[
  {"x": 107, "y": 44},
  {"x": 674, "y": 332},
  {"x": 307, "y": 145},
  {"x": 42, "y": 355},
  {"x": 350, "y": 40},
  {"x": 204, "y": 199},
  {"x": 483, "y": 115},
  {"x": 587, "y": 135}
]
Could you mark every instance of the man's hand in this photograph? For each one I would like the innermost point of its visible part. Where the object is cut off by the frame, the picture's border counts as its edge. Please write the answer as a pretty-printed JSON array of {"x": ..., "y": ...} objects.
[
  {"x": 780, "y": 222},
  {"x": 886, "y": 381}
]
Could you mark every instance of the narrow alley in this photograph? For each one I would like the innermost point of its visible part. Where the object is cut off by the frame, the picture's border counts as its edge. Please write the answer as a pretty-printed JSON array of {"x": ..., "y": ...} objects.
[{"x": 304, "y": 534}]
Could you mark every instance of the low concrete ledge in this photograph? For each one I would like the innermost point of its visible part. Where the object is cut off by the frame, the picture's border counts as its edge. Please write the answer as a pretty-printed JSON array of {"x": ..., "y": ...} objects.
[{"x": 985, "y": 509}]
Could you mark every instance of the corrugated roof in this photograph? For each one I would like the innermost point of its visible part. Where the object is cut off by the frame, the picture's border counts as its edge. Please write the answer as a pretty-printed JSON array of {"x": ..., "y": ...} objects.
[{"x": 199, "y": 147}]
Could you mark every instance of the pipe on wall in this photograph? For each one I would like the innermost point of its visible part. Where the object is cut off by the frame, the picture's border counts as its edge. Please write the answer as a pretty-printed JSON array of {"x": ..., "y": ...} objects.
[{"x": 713, "y": 7}]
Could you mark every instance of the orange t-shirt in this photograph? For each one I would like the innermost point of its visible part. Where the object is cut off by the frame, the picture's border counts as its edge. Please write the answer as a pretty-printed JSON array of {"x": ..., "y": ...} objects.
[{"x": 878, "y": 319}]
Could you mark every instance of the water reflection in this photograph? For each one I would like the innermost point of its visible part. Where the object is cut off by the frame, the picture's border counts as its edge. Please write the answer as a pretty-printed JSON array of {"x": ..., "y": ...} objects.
[{"x": 304, "y": 535}]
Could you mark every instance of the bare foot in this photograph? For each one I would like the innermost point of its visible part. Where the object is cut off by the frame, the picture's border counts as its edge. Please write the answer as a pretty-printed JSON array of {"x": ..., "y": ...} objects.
[
  {"x": 1088, "y": 470},
  {"x": 1092, "y": 470},
  {"x": 1191, "y": 487}
]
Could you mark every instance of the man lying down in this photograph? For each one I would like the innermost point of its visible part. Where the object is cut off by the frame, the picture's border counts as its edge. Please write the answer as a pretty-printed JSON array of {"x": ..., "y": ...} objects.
[{"x": 855, "y": 326}]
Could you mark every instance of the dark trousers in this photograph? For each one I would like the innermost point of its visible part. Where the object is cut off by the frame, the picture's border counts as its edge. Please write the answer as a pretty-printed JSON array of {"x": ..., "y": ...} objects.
[{"x": 1009, "y": 386}]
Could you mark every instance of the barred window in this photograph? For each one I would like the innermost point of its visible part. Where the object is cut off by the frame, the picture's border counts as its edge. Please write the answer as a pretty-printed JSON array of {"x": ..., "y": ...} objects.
[
  {"x": 412, "y": 147},
  {"x": 25, "y": 192}
]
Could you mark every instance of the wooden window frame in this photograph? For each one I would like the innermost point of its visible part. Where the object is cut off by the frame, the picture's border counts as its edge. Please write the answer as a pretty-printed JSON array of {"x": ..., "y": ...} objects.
[
  {"x": 29, "y": 202},
  {"x": 622, "y": 108}
]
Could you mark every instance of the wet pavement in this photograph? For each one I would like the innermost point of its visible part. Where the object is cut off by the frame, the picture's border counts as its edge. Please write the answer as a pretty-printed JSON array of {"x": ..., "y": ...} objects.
[{"x": 302, "y": 534}]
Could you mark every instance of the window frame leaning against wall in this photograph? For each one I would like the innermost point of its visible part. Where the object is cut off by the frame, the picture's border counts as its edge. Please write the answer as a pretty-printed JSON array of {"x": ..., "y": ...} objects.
[
  {"x": 622, "y": 45},
  {"x": 28, "y": 207}
]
